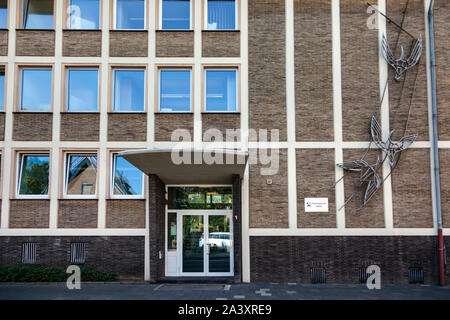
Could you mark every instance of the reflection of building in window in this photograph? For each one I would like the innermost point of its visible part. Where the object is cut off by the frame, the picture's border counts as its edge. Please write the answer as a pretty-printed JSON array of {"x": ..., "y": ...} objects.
[
  {"x": 82, "y": 175},
  {"x": 128, "y": 180}
]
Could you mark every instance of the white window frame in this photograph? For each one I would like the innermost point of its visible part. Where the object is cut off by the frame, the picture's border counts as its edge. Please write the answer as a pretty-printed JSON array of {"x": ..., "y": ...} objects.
[
  {"x": 160, "y": 16},
  {"x": 69, "y": 24},
  {"x": 113, "y": 90},
  {"x": 111, "y": 184},
  {"x": 19, "y": 166},
  {"x": 66, "y": 99},
  {"x": 19, "y": 98},
  {"x": 66, "y": 177},
  {"x": 236, "y": 17},
  {"x": 159, "y": 89},
  {"x": 115, "y": 17},
  {"x": 205, "y": 87}
]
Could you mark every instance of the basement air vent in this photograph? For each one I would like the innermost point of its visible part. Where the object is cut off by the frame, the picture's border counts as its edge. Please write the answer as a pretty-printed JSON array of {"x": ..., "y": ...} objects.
[
  {"x": 364, "y": 275},
  {"x": 415, "y": 275},
  {"x": 29, "y": 252},
  {"x": 317, "y": 275},
  {"x": 78, "y": 253}
]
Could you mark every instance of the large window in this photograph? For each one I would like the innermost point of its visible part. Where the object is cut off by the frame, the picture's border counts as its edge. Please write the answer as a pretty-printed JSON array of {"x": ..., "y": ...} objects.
[
  {"x": 176, "y": 15},
  {"x": 2, "y": 89},
  {"x": 36, "y": 90},
  {"x": 84, "y": 14},
  {"x": 81, "y": 175},
  {"x": 37, "y": 14},
  {"x": 195, "y": 198},
  {"x": 130, "y": 14},
  {"x": 82, "y": 90},
  {"x": 127, "y": 179},
  {"x": 33, "y": 175},
  {"x": 222, "y": 14},
  {"x": 3, "y": 14},
  {"x": 221, "y": 90},
  {"x": 175, "y": 90},
  {"x": 129, "y": 90}
]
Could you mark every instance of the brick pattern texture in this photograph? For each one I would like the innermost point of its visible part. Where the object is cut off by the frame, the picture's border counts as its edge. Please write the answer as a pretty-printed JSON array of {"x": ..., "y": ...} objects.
[
  {"x": 289, "y": 259},
  {"x": 2, "y": 126},
  {"x": 77, "y": 213},
  {"x": 313, "y": 70},
  {"x": 29, "y": 213},
  {"x": 80, "y": 126},
  {"x": 127, "y": 126},
  {"x": 221, "y": 122},
  {"x": 82, "y": 43},
  {"x": 128, "y": 43},
  {"x": 174, "y": 43},
  {"x": 32, "y": 126},
  {"x": 35, "y": 42},
  {"x": 125, "y": 213},
  {"x": 444, "y": 177},
  {"x": 267, "y": 65},
  {"x": 122, "y": 256},
  {"x": 166, "y": 123},
  {"x": 157, "y": 212},
  {"x": 3, "y": 42},
  {"x": 315, "y": 175},
  {"x": 221, "y": 44}
]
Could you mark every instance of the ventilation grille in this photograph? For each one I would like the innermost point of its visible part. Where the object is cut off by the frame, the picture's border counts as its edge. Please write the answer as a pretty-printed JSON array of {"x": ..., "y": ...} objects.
[
  {"x": 29, "y": 252},
  {"x": 415, "y": 275},
  {"x": 364, "y": 275},
  {"x": 317, "y": 275},
  {"x": 78, "y": 253}
]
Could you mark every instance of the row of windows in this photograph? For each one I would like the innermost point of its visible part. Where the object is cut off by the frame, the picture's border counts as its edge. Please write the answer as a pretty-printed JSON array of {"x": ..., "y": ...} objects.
[
  {"x": 128, "y": 90},
  {"x": 127, "y": 14}
]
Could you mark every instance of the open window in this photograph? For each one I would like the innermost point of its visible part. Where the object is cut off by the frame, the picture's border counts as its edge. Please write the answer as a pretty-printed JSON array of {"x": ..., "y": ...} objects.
[
  {"x": 127, "y": 180},
  {"x": 37, "y": 14},
  {"x": 81, "y": 175},
  {"x": 33, "y": 175},
  {"x": 3, "y": 14}
]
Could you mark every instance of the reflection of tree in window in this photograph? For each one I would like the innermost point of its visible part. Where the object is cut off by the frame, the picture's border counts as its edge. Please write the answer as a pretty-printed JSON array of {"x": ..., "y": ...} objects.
[
  {"x": 121, "y": 184},
  {"x": 34, "y": 175},
  {"x": 82, "y": 172}
]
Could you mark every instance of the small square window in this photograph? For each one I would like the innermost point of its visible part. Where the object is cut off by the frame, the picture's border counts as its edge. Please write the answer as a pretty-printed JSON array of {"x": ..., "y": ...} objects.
[
  {"x": 36, "y": 90},
  {"x": 82, "y": 90},
  {"x": 37, "y": 14},
  {"x": 81, "y": 175},
  {"x": 3, "y": 14},
  {"x": 128, "y": 180},
  {"x": 221, "y": 90},
  {"x": 130, "y": 14},
  {"x": 33, "y": 175},
  {"x": 2, "y": 89},
  {"x": 175, "y": 90},
  {"x": 222, "y": 15},
  {"x": 84, "y": 14},
  {"x": 176, "y": 15},
  {"x": 129, "y": 90}
]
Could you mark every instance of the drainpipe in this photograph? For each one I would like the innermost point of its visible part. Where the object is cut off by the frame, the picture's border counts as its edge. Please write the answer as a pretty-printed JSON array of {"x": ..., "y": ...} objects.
[{"x": 435, "y": 147}]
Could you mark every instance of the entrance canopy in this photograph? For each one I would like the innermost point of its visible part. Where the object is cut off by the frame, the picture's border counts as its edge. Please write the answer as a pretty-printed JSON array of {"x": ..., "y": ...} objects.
[{"x": 189, "y": 166}]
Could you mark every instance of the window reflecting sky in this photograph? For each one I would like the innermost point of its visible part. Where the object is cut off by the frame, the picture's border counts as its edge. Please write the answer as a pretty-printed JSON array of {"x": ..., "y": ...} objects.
[
  {"x": 2, "y": 89},
  {"x": 129, "y": 90},
  {"x": 221, "y": 15},
  {"x": 3, "y": 14},
  {"x": 127, "y": 178},
  {"x": 176, "y": 14},
  {"x": 34, "y": 175},
  {"x": 36, "y": 89},
  {"x": 84, "y": 14},
  {"x": 221, "y": 90},
  {"x": 175, "y": 90},
  {"x": 82, "y": 90},
  {"x": 130, "y": 14},
  {"x": 38, "y": 14}
]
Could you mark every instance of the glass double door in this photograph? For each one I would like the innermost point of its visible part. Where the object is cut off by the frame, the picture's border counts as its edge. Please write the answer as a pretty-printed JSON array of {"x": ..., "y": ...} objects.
[{"x": 206, "y": 243}]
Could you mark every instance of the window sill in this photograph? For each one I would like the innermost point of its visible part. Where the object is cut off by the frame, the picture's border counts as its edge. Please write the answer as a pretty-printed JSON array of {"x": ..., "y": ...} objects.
[
  {"x": 221, "y": 112},
  {"x": 174, "y": 112},
  {"x": 82, "y": 30},
  {"x": 222, "y": 30},
  {"x": 31, "y": 198},
  {"x": 174, "y": 30},
  {"x": 127, "y": 112},
  {"x": 77, "y": 198},
  {"x": 128, "y": 30},
  {"x": 126, "y": 198},
  {"x": 32, "y": 112},
  {"x": 80, "y": 112},
  {"x": 21, "y": 29}
]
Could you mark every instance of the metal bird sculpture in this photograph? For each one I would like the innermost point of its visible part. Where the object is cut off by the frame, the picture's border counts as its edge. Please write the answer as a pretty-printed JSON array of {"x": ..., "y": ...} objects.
[{"x": 401, "y": 64}]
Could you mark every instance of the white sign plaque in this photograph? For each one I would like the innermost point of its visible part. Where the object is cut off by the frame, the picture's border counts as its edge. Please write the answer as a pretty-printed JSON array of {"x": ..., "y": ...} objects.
[{"x": 316, "y": 204}]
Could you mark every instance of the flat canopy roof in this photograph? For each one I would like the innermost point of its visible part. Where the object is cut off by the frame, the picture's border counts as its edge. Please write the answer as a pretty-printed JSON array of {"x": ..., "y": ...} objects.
[{"x": 189, "y": 166}]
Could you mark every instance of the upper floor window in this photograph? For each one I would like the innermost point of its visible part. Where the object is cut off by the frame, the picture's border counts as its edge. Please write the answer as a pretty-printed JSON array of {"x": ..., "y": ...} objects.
[
  {"x": 82, "y": 90},
  {"x": 81, "y": 175},
  {"x": 129, "y": 90},
  {"x": 33, "y": 175},
  {"x": 129, "y": 14},
  {"x": 222, "y": 14},
  {"x": 174, "y": 90},
  {"x": 221, "y": 90},
  {"x": 128, "y": 180},
  {"x": 2, "y": 89},
  {"x": 176, "y": 15},
  {"x": 84, "y": 14},
  {"x": 3, "y": 14},
  {"x": 37, "y": 14},
  {"x": 36, "y": 90}
]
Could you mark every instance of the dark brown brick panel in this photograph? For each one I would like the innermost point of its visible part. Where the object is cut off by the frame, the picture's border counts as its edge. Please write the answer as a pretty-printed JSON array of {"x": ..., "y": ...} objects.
[
  {"x": 221, "y": 43},
  {"x": 35, "y": 42},
  {"x": 2, "y": 126},
  {"x": 411, "y": 190},
  {"x": 166, "y": 123},
  {"x": 80, "y": 126},
  {"x": 267, "y": 65},
  {"x": 444, "y": 177},
  {"x": 125, "y": 213},
  {"x": 29, "y": 213},
  {"x": 34, "y": 126},
  {"x": 269, "y": 202},
  {"x": 313, "y": 70},
  {"x": 127, "y": 126},
  {"x": 221, "y": 122},
  {"x": 315, "y": 175},
  {"x": 174, "y": 43},
  {"x": 360, "y": 75},
  {"x": 128, "y": 43},
  {"x": 3, "y": 42},
  {"x": 77, "y": 213},
  {"x": 156, "y": 223},
  {"x": 82, "y": 43}
]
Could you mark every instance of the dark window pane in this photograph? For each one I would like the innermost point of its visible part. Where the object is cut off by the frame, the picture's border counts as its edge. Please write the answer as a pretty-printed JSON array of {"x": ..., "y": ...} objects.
[
  {"x": 2, "y": 89},
  {"x": 37, "y": 14},
  {"x": 175, "y": 90},
  {"x": 34, "y": 175},
  {"x": 221, "y": 90},
  {"x": 84, "y": 14},
  {"x": 130, "y": 14},
  {"x": 82, "y": 90},
  {"x": 176, "y": 15},
  {"x": 36, "y": 90},
  {"x": 127, "y": 178},
  {"x": 81, "y": 174},
  {"x": 129, "y": 90},
  {"x": 200, "y": 198},
  {"x": 221, "y": 15}
]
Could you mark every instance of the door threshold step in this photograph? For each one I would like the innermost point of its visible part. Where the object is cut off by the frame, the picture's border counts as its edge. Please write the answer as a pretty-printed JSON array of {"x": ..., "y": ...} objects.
[{"x": 197, "y": 280}]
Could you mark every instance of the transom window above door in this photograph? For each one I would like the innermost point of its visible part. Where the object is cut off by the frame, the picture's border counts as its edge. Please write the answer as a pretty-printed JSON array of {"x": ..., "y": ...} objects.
[
  {"x": 175, "y": 15},
  {"x": 198, "y": 198}
]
